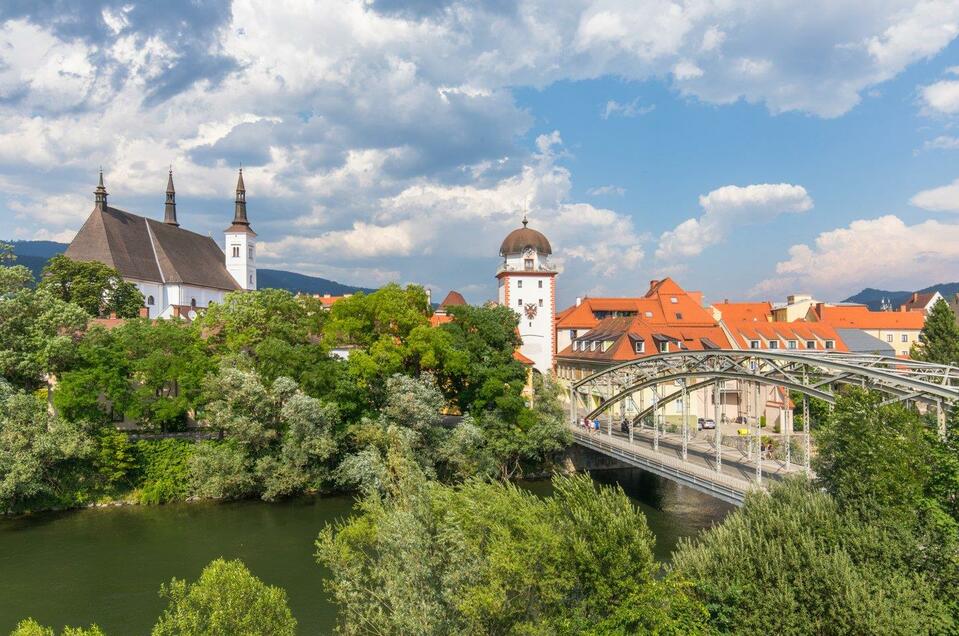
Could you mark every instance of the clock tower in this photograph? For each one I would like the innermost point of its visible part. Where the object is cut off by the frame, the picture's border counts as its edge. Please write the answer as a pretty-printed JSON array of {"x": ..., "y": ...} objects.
[{"x": 527, "y": 285}]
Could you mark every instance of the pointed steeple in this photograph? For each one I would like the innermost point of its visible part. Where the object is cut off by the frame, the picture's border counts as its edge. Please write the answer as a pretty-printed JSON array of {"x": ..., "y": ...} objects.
[
  {"x": 169, "y": 212},
  {"x": 239, "y": 214},
  {"x": 100, "y": 194},
  {"x": 240, "y": 222}
]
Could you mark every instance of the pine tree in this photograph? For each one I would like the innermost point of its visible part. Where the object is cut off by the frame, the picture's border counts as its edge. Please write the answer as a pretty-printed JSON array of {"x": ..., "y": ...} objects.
[{"x": 939, "y": 339}]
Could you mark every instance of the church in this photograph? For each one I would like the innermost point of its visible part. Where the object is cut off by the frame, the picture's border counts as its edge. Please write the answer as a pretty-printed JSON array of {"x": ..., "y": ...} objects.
[{"x": 176, "y": 270}]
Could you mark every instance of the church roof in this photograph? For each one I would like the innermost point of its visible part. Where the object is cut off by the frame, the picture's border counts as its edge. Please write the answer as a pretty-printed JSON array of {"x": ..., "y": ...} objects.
[
  {"x": 149, "y": 250},
  {"x": 454, "y": 298},
  {"x": 519, "y": 239}
]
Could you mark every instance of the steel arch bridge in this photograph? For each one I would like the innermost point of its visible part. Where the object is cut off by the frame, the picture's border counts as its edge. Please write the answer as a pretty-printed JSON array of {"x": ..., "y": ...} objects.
[{"x": 812, "y": 374}]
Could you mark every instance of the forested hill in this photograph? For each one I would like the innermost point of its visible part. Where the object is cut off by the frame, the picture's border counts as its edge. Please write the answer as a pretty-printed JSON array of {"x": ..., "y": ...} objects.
[
  {"x": 873, "y": 297},
  {"x": 35, "y": 254}
]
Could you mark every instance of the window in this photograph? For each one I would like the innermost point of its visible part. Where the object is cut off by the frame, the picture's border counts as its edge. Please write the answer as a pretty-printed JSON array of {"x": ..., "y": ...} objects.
[
  {"x": 753, "y": 344},
  {"x": 773, "y": 344},
  {"x": 519, "y": 284},
  {"x": 889, "y": 337},
  {"x": 519, "y": 302},
  {"x": 236, "y": 251},
  {"x": 251, "y": 279},
  {"x": 150, "y": 301},
  {"x": 679, "y": 316},
  {"x": 528, "y": 264},
  {"x": 193, "y": 302},
  {"x": 572, "y": 334},
  {"x": 540, "y": 302},
  {"x": 540, "y": 284},
  {"x": 576, "y": 345},
  {"x": 830, "y": 344},
  {"x": 664, "y": 347},
  {"x": 596, "y": 344},
  {"x": 792, "y": 344},
  {"x": 640, "y": 346},
  {"x": 648, "y": 314},
  {"x": 249, "y": 251},
  {"x": 905, "y": 337},
  {"x": 673, "y": 299},
  {"x": 810, "y": 344}
]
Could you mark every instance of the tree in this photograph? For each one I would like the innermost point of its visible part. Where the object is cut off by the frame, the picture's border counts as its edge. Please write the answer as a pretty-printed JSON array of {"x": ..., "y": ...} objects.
[
  {"x": 227, "y": 600},
  {"x": 493, "y": 558},
  {"x": 95, "y": 287},
  {"x": 35, "y": 448},
  {"x": 13, "y": 278},
  {"x": 792, "y": 562},
  {"x": 30, "y": 627},
  {"x": 38, "y": 334},
  {"x": 278, "y": 439},
  {"x": 939, "y": 338}
]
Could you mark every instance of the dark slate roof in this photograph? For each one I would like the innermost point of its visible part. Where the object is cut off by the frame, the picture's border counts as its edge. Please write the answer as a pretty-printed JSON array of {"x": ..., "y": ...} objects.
[
  {"x": 148, "y": 250},
  {"x": 858, "y": 341}
]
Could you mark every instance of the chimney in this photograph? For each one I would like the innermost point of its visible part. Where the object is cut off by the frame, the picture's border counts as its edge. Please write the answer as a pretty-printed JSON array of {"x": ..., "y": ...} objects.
[
  {"x": 579, "y": 301},
  {"x": 144, "y": 312}
]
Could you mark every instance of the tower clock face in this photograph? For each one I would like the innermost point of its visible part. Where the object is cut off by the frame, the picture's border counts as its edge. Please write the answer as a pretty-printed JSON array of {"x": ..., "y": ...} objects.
[{"x": 530, "y": 310}]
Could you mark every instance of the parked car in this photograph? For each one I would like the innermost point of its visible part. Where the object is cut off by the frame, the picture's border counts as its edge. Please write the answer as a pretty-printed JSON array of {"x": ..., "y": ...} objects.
[{"x": 705, "y": 424}]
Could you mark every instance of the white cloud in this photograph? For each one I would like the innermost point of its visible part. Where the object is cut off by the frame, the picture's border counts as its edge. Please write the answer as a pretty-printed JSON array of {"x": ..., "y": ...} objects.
[
  {"x": 942, "y": 199},
  {"x": 942, "y": 142},
  {"x": 726, "y": 208},
  {"x": 632, "y": 109},
  {"x": 942, "y": 97},
  {"x": 606, "y": 190},
  {"x": 844, "y": 260}
]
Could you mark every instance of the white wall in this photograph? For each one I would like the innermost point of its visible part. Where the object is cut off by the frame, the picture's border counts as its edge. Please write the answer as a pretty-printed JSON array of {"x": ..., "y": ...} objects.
[{"x": 243, "y": 266}]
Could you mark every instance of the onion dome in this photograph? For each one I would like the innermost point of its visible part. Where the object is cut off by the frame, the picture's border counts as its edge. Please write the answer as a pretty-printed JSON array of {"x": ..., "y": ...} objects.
[{"x": 518, "y": 240}]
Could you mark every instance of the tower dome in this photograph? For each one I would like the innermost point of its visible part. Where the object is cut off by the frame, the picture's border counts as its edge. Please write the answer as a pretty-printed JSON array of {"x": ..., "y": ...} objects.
[{"x": 519, "y": 239}]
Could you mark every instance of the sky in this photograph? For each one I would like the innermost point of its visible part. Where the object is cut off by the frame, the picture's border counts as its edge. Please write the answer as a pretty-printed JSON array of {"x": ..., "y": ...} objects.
[{"x": 748, "y": 149}]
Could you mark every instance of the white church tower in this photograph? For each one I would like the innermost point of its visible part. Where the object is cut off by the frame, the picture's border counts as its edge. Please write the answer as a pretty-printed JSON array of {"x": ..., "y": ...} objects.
[
  {"x": 241, "y": 242},
  {"x": 527, "y": 284}
]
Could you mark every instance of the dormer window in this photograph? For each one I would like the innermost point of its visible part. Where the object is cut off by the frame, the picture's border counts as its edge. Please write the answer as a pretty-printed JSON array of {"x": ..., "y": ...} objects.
[
  {"x": 792, "y": 344},
  {"x": 679, "y": 316},
  {"x": 773, "y": 344},
  {"x": 648, "y": 314},
  {"x": 830, "y": 344},
  {"x": 810, "y": 344},
  {"x": 664, "y": 347},
  {"x": 753, "y": 344},
  {"x": 673, "y": 300},
  {"x": 640, "y": 346}
]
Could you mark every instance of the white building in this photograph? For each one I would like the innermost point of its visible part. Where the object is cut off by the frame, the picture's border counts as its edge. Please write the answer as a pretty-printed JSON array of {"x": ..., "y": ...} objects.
[
  {"x": 176, "y": 270},
  {"x": 527, "y": 284}
]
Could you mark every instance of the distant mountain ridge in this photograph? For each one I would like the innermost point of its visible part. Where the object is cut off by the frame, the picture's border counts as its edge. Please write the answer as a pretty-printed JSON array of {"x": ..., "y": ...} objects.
[
  {"x": 35, "y": 254},
  {"x": 873, "y": 297}
]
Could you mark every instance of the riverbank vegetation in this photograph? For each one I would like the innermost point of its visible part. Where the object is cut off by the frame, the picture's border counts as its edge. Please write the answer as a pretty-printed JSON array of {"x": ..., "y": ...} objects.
[{"x": 272, "y": 412}]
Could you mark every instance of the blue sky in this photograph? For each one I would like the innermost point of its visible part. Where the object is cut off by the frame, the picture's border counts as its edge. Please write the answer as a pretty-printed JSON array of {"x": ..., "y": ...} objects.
[{"x": 748, "y": 149}]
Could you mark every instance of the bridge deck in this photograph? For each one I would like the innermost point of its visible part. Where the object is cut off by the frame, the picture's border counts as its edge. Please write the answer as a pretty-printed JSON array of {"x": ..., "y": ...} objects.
[{"x": 736, "y": 477}]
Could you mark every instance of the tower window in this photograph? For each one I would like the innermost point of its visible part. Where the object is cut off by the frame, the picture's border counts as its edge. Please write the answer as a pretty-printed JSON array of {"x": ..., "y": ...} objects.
[
  {"x": 236, "y": 251},
  {"x": 540, "y": 284},
  {"x": 249, "y": 251},
  {"x": 540, "y": 302},
  {"x": 519, "y": 302},
  {"x": 251, "y": 279},
  {"x": 528, "y": 264},
  {"x": 150, "y": 301},
  {"x": 519, "y": 284},
  {"x": 193, "y": 303}
]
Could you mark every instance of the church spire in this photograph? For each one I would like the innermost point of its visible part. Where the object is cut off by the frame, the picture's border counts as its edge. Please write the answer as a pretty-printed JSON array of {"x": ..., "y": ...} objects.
[
  {"x": 169, "y": 212},
  {"x": 239, "y": 214},
  {"x": 100, "y": 194}
]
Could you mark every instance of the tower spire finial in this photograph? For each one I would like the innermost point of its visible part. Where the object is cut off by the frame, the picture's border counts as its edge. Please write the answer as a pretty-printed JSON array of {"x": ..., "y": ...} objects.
[
  {"x": 100, "y": 194},
  {"x": 169, "y": 210},
  {"x": 525, "y": 211}
]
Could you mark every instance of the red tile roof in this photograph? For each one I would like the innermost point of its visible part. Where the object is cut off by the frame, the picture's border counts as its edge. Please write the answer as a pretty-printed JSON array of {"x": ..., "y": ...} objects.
[
  {"x": 453, "y": 298},
  {"x": 519, "y": 357},
  {"x": 861, "y": 317},
  {"x": 782, "y": 332},
  {"x": 745, "y": 312}
]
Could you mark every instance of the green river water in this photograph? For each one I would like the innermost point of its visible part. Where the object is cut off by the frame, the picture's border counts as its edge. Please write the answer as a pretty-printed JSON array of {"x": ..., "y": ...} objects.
[{"x": 105, "y": 566}]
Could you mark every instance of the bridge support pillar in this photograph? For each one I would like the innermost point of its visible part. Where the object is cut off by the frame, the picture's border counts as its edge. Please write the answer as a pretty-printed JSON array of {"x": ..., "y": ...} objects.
[
  {"x": 718, "y": 429},
  {"x": 685, "y": 399},
  {"x": 806, "y": 425},
  {"x": 573, "y": 415},
  {"x": 759, "y": 435},
  {"x": 785, "y": 426},
  {"x": 941, "y": 420}
]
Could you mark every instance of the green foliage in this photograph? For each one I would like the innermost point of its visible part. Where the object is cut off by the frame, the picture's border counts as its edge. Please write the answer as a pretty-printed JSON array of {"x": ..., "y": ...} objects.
[
  {"x": 37, "y": 450},
  {"x": 96, "y": 288},
  {"x": 163, "y": 470},
  {"x": 939, "y": 338},
  {"x": 30, "y": 627},
  {"x": 793, "y": 562},
  {"x": 13, "y": 278},
  {"x": 152, "y": 371},
  {"x": 278, "y": 332},
  {"x": 278, "y": 438},
  {"x": 492, "y": 558},
  {"x": 37, "y": 336},
  {"x": 227, "y": 600}
]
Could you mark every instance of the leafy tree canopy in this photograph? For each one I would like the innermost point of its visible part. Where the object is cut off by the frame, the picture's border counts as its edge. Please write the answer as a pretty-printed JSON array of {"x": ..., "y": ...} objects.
[
  {"x": 97, "y": 288},
  {"x": 939, "y": 338}
]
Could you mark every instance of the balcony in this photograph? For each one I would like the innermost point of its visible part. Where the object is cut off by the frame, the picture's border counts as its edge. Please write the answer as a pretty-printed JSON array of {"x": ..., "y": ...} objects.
[{"x": 542, "y": 268}]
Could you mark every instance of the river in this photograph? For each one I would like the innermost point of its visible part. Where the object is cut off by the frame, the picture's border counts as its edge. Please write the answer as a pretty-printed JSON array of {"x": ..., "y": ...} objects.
[{"x": 106, "y": 565}]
